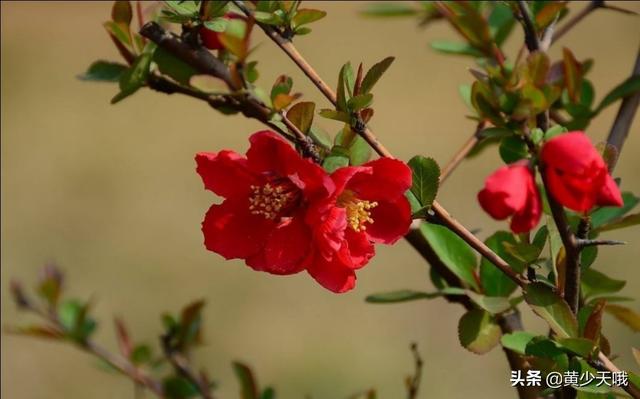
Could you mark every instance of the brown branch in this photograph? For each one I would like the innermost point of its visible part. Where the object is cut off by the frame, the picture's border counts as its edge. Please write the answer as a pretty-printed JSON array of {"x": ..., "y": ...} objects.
[
  {"x": 624, "y": 118},
  {"x": 182, "y": 367},
  {"x": 123, "y": 365},
  {"x": 462, "y": 153},
  {"x": 203, "y": 61},
  {"x": 592, "y": 6}
]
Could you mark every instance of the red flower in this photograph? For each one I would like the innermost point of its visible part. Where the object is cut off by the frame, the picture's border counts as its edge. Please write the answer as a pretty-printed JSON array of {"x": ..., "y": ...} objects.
[
  {"x": 511, "y": 191},
  {"x": 576, "y": 174},
  {"x": 266, "y": 194},
  {"x": 368, "y": 206},
  {"x": 210, "y": 38}
]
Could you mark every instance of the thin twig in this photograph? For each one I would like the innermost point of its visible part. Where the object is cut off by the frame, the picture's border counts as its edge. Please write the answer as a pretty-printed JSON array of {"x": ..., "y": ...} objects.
[
  {"x": 581, "y": 242},
  {"x": 462, "y": 153},
  {"x": 414, "y": 381},
  {"x": 119, "y": 363},
  {"x": 203, "y": 61},
  {"x": 592, "y": 6}
]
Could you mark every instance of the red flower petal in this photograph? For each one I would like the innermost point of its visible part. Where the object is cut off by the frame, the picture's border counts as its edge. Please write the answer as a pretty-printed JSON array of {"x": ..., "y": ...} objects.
[
  {"x": 571, "y": 191},
  {"x": 332, "y": 275},
  {"x": 225, "y": 173},
  {"x": 389, "y": 178},
  {"x": 269, "y": 153},
  {"x": 329, "y": 233},
  {"x": 571, "y": 152},
  {"x": 505, "y": 191},
  {"x": 528, "y": 217},
  {"x": 609, "y": 194},
  {"x": 285, "y": 249},
  {"x": 391, "y": 221},
  {"x": 357, "y": 250},
  {"x": 231, "y": 231}
]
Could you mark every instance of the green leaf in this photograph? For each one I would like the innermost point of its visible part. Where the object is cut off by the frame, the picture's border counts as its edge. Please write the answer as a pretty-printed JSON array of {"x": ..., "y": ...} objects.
[
  {"x": 494, "y": 281},
  {"x": 359, "y": 102},
  {"x": 190, "y": 324},
  {"x": 453, "y": 251},
  {"x": 411, "y": 295},
  {"x": 268, "y": 393},
  {"x": 179, "y": 388},
  {"x": 103, "y": 71},
  {"x": 609, "y": 213},
  {"x": 425, "y": 179},
  {"x": 335, "y": 115},
  {"x": 359, "y": 151},
  {"x": 341, "y": 99},
  {"x": 141, "y": 354},
  {"x": 554, "y": 131},
  {"x": 572, "y": 75},
  {"x": 552, "y": 308},
  {"x": 302, "y": 31},
  {"x": 627, "y": 221},
  {"x": 301, "y": 115},
  {"x": 579, "y": 346},
  {"x": 169, "y": 65},
  {"x": 624, "y": 89},
  {"x": 595, "y": 283},
  {"x": 517, "y": 341},
  {"x": 374, "y": 74},
  {"x": 389, "y": 9},
  {"x": 121, "y": 12},
  {"x": 627, "y": 316},
  {"x": 501, "y": 22},
  {"x": 513, "y": 149},
  {"x": 118, "y": 32},
  {"x": 306, "y": 16},
  {"x": 267, "y": 18},
  {"x": 136, "y": 76},
  {"x": 334, "y": 162},
  {"x": 217, "y": 24},
  {"x": 543, "y": 347},
  {"x": 248, "y": 384},
  {"x": 320, "y": 137},
  {"x": 495, "y": 132},
  {"x": 492, "y": 304},
  {"x": 478, "y": 331},
  {"x": 182, "y": 7},
  {"x": 455, "y": 48},
  {"x": 73, "y": 316}
]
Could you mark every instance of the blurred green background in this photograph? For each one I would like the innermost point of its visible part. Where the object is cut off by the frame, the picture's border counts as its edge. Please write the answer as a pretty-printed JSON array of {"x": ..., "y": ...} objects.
[{"x": 110, "y": 193}]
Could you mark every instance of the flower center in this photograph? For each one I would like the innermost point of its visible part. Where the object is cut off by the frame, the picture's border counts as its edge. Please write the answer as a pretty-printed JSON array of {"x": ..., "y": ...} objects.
[
  {"x": 358, "y": 211},
  {"x": 272, "y": 199}
]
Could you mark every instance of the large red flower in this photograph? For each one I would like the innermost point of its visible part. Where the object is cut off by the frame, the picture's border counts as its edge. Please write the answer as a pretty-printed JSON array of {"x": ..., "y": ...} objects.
[
  {"x": 266, "y": 195},
  {"x": 368, "y": 206},
  {"x": 511, "y": 191},
  {"x": 576, "y": 174}
]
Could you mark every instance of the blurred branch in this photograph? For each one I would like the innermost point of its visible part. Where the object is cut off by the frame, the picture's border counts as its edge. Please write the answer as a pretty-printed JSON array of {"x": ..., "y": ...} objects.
[
  {"x": 413, "y": 382},
  {"x": 123, "y": 365},
  {"x": 624, "y": 118},
  {"x": 182, "y": 367}
]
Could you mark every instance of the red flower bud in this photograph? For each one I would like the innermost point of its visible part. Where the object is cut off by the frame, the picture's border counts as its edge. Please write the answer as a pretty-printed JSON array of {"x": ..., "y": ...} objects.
[
  {"x": 576, "y": 174},
  {"x": 511, "y": 191}
]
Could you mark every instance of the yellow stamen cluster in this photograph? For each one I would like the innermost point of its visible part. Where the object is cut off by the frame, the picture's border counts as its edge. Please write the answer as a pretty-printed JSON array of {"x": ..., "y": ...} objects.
[
  {"x": 268, "y": 200},
  {"x": 358, "y": 213}
]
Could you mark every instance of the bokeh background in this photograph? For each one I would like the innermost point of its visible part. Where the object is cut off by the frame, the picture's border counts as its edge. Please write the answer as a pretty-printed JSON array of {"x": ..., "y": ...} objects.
[{"x": 110, "y": 193}]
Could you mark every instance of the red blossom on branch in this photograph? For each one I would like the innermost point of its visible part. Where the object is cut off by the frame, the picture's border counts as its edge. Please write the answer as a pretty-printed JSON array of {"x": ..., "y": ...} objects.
[
  {"x": 577, "y": 175},
  {"x": 266, "y": 195},
  {"x": 367, "y": 207},
  {"x": 511, "y": 191}
]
